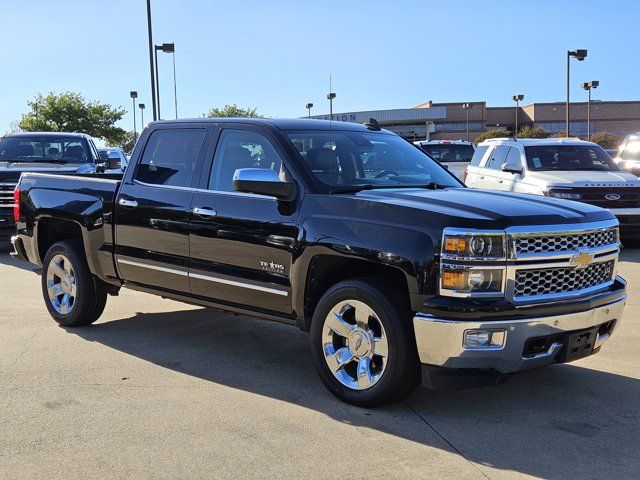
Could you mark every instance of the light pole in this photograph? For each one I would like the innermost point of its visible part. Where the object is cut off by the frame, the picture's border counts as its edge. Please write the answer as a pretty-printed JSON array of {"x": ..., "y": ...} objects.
[
  {"x": 579, "y": 55},
  {"x": 153, "y": 80},
  {"x": 588, "y": 86},
  {"x": 166, "y": 48},
  {"x": 330, "y": 96},
  {"x": 133, "y": 94},
  {"x": 309, "y": 107},
  {"x": 141, "y": 107},
  {"x": 517, "y": 99},
  {"x": 467, "y": 106}
]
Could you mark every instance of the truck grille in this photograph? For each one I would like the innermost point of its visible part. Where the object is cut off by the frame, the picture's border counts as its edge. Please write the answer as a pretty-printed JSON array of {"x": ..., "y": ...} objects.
[
  {"x": 561, "y": 280},
  {"x": 6, "y": 195},
  {"x": 628, "y": 197},
  {"x": 566, "y": 242}
]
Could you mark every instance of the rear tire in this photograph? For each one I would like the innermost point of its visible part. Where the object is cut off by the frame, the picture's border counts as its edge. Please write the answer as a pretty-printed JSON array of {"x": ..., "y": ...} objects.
[
  {"x": 73, "y": 296},
  {"x": 363, "y": 344}
]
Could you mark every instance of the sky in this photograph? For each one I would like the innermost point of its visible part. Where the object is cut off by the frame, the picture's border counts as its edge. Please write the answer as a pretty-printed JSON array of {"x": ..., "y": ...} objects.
[{"x": 277, "y": 55}]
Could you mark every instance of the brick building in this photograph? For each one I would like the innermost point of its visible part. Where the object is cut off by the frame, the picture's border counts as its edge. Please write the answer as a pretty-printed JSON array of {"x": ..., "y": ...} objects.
[{"x": 448, "y": 121}]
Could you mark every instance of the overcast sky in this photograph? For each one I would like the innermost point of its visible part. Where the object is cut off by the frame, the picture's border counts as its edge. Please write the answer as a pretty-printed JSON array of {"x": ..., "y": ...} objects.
[{"x": 277, "y": 55}]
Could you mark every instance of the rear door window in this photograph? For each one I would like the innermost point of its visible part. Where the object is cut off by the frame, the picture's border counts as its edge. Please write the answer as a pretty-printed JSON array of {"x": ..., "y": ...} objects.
[
  {"x": 479, "y": 155},
  {"x": 498, "y": 157},
  {"x": 170, "y": 157}
]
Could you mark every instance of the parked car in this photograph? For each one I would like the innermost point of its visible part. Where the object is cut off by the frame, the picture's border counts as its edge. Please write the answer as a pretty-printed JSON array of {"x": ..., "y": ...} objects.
[
  {"x": 454, "y": 154},
  {"x": 569, "y": 169},
  {"x": 628, "y": 154},
  {"x": 400, "y": 273},
  {"x": 115, "y": 157},
  {"x": 44, "y": 152}
]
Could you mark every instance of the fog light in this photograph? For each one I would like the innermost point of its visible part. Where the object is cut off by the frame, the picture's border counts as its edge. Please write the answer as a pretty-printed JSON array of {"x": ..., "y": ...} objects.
[{"x": 481, "y": 339}]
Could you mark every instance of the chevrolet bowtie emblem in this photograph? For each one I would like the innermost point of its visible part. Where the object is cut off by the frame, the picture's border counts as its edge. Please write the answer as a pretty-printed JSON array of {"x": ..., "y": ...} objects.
[{"x": 582, "y": 260}]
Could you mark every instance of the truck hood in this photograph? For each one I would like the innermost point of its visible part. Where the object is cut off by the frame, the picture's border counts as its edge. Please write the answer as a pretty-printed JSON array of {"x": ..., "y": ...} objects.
[
  {"x": 12, "y": 170},
  {"x": 474, "y": 208},
  {"x": 583, "y": 179}
]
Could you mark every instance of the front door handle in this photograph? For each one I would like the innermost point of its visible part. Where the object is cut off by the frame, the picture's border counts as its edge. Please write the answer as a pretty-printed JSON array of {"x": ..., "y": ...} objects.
[
  {"x": 500, "y": 181},
  {"x": 125, "y": 202},
  {"x": 205, "y": 212}
]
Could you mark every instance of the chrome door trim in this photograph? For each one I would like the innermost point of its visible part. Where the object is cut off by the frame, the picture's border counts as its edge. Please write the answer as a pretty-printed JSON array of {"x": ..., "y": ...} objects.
[
  {"x": 154, "y": 267},
  {"x": 235, "y": 283}
]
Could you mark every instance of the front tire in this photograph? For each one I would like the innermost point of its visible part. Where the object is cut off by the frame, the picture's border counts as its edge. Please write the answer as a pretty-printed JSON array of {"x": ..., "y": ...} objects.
[
  {"x": 363, "y": 344},
  {"x": 73, "y": 296}
]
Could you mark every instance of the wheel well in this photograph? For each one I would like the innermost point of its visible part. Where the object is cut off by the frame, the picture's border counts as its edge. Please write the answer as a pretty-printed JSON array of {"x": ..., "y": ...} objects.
[
  {"x": 325, "y": 271},
  {"x": 52, "y": 230}
]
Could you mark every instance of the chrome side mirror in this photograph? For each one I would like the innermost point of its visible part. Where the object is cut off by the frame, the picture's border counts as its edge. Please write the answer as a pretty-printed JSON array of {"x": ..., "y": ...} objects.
[{"x": 262, "y": 181}]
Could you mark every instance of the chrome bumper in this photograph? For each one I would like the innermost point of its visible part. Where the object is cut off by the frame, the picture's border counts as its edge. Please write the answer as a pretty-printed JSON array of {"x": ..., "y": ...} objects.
[{"x": 440, "y": 341}]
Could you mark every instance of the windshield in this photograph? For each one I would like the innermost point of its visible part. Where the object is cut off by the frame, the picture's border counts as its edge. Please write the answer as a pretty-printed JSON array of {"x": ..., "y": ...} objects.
[
  {"x": 569, "y": 157},
  {"x": 43, "y": 149},
  {"x": 445, "y": 152},
  {"x": 374, "y": 160}
]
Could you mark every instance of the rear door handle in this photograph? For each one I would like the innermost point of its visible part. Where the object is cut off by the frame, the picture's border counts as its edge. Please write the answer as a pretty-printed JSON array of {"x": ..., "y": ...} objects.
[
  {"x": 125, "y": 202},
  {"x": 500, "y": 181},
  {"x": 205, "y": 212}
]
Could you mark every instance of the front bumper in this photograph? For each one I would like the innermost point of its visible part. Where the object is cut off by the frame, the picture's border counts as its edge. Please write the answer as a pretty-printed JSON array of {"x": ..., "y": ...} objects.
[{"x": 440, "y": 340}]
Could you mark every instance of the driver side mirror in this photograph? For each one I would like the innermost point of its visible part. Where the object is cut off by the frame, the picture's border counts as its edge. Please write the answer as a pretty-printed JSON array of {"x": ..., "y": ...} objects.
[
  {"x": 101, "y": 167},
  {"x": 262, "y": 181},
  {"x": 512, "y": 167}
]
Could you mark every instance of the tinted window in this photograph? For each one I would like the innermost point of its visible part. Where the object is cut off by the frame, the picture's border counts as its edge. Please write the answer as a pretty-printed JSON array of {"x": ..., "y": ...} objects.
[
  {"x": 497, "y": 157},
  {"x": 450, "y": 152},
  {"x": 569, "y": 157},
  {"x": 514, "y": 156},
  {"x": 170, "y": 157},
  {"x": 478, "y": 154},
  {"x": 240, "y": 149},
  {"x": 48, "y": 149},
  {"x": 631, "y": 151},
  {"x": 338, "y": 158}
]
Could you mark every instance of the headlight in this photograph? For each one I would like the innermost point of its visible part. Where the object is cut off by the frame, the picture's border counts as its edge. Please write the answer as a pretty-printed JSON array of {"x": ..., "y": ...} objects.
[
  {"x": 564, "y": 194},
  {"x": 473, "y": 245},
  {"x": 476, "y": 280}
]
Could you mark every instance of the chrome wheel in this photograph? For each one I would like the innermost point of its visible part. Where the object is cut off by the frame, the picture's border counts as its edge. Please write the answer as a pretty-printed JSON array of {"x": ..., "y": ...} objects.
[
  {"x": 355, "y": 345},
  {"x": 61, "y": 284}
]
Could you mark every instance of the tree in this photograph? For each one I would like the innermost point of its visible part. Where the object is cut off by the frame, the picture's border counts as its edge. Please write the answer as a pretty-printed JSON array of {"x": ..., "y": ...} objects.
[
  {"x": 494, "y": 133},
  {"x": 232, "y": 111},
  {"x": 606, "y": 140},
  {"x": 70, "y": 112},
  {"x": 127, "y": 142},
  {"x": 530, "y": 132}
]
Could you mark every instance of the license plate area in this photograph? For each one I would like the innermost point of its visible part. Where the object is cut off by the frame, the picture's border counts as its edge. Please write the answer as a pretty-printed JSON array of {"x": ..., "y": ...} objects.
[{"x": 580, "y": 344}]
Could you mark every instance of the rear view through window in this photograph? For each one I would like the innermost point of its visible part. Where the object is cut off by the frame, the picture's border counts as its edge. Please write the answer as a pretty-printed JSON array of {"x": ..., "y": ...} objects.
[
  {"x": 449, "y": 152},
  {"x": 49, "y": 149},
  {"x": 569, "y": 157}
]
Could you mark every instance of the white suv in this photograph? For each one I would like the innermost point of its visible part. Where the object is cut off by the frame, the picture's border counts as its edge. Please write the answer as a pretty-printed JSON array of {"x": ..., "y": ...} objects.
[
  {"x": 565, "y": 168},
  {"x": 455, "y": 155}
]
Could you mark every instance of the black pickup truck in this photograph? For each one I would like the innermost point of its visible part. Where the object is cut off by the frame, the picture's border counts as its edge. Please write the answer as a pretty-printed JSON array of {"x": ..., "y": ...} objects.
[
  {"x": 43, "y": 152},
  {"x": 400, "y": 273}
]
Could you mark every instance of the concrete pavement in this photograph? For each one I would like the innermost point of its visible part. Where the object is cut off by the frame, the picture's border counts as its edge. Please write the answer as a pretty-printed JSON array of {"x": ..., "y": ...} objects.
[{"x": 158, "y": 389}]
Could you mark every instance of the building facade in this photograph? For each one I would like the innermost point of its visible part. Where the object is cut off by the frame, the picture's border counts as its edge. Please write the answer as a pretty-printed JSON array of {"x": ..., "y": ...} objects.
[{"x": 448, "y": 121}]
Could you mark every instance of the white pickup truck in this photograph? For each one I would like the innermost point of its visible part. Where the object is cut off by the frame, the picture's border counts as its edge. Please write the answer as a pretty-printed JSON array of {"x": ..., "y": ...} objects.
[{"x": 565, "y": 168}]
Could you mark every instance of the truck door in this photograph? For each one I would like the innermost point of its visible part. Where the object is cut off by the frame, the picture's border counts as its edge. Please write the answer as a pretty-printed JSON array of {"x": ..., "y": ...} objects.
[
  {"x": 241, "y": 244},
  {"x": 488, "y": 177},
  {"x": 152, "y": 209}
]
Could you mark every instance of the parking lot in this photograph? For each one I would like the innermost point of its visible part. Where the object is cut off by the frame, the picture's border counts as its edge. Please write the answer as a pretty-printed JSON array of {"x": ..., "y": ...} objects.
[{"x": 164, "y": 390}]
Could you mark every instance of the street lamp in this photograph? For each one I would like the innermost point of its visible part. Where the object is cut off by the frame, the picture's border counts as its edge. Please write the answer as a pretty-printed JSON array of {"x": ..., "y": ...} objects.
[
  {"x": 141, "y": 107},
  {"x": 309, "y": 107},
  {"x": 579, "y": 55},
  {"x": 517, "y": 99},
  {"x": 153, "y": 80},
  {"x": 166, "y": 48},
  {"x": 588, "y": 86},
  {"x": 330, "y": 97},
  {"x": 133, "y": 94},
  {"x": 467, "y": 106}
]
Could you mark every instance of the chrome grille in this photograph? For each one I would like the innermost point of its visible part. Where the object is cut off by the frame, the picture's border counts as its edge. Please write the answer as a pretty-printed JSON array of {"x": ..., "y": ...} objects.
[
  {"x": 565, "y": 242},
  {"x": 561, "y": 280},
  {"x": 6, "y": 195}
]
